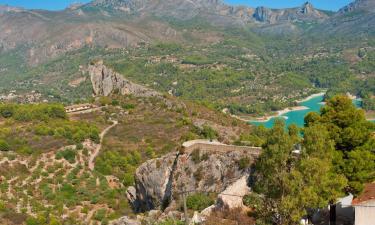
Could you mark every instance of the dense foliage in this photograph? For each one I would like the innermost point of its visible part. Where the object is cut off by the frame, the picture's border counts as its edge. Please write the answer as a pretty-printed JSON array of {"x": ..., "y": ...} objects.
[
  {"x": 25, "y": 125},
  {"x": 336, "y": 155},
  {"x": 353, "y": 138}
]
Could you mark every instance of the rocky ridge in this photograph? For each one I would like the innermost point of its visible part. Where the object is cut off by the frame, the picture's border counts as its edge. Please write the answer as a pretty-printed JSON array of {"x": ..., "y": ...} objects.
[{"x": 105, "y": 82}]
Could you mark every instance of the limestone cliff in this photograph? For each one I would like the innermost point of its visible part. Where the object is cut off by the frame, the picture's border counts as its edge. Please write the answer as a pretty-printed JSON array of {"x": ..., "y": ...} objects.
[
  {"x": 201, "y": 167},
  {"x": 105, "y": 82}
]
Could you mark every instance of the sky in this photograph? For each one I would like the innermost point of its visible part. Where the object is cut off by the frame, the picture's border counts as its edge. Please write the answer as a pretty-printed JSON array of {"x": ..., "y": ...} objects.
[{"x": 333, "y": 5}]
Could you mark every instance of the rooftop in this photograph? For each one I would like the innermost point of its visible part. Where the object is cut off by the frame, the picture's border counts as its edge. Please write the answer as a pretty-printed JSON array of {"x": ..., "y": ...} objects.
[{"x": 367, "y": 195}]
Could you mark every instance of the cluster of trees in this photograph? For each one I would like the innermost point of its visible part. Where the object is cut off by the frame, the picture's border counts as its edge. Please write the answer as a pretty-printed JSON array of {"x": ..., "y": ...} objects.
[
  {"x": 42, "y": 120},
  {"x": 123, "y": 167},
  {"x": 30, "y": 112},
  {"x": 336, "y": 155}
]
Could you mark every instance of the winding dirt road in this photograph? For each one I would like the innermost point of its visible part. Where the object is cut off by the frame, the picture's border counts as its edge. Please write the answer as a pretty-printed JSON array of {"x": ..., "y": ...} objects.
[{"x": 99, "y": 146}]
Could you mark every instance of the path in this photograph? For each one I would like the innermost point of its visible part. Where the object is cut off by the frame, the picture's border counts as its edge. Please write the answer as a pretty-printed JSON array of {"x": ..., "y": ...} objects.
[{"x": 99, "y": 146}]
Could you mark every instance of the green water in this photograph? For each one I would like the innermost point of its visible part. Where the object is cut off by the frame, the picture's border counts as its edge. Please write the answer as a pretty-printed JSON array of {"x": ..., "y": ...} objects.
[{"x": 297, "y": 117}]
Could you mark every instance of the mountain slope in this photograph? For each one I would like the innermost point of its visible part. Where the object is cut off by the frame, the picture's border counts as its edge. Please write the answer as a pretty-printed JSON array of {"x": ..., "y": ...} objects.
[
  {"x": 124, "y": 23},
  {"x": 354, "y": 20}
]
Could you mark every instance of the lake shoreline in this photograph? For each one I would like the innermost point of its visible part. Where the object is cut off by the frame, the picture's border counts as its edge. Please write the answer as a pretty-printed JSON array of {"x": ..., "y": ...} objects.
[
  {"x": 311, "y": 97},
  {"x": 279, "y": 113}
]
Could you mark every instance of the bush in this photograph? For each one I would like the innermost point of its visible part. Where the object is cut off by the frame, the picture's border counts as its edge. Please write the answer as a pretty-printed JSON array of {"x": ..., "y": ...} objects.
[
  {"x": 127, "y": 106},
  {"x": 100, "y": 214},
  {"x": 128, "y": 179},
  {"x": 2, "y": 206},
  {"x": 4, "y": 146},
  {"x": 199, "y": 201},
  {"x": 209, "y": 133},
  {"x": 6, "y": 111},
  {"x": 68, "y": 154},
  {"x": 244, "y": 163}
]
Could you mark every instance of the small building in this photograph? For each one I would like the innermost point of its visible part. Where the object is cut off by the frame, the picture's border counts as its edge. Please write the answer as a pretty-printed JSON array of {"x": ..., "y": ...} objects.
[
  {"x": 78, "y": 108},
  {"x": 364, "y": 206},
  {"x": 355, "y": 211}
]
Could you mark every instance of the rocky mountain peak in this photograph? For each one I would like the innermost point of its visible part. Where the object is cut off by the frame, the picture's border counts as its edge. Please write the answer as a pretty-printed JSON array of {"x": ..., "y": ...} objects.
[
  {"x": 365, "y": 5},
  {"x": 307, "y": 8},
  {"x": 262, "y": 14}
]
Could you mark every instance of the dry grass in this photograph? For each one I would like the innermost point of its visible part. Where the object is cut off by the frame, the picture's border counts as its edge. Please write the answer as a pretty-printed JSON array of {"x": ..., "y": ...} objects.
[{"x": 229, "y": 217}]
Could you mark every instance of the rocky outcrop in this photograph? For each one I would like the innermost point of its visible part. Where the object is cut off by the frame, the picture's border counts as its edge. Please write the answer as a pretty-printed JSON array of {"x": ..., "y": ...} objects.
[
  {"x": 365, "y": 5},
  {"x": 159, "y": 182},
  {"x": 126, "y": 221},
  {"x": 231, "y": 197},
  {"x": 306, "y": 12},
  {"x": 105, "y": 82}
]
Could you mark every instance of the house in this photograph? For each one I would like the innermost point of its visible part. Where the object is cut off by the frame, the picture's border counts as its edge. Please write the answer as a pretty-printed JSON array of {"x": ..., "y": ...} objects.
[
  {"x": 364, "y": 206},
  {"x": 355, "y": 211}
]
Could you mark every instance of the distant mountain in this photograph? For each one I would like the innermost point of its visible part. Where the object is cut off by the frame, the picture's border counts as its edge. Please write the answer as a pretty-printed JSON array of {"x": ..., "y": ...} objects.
[
  {"x": 363, "y": 5},
  {"x": 124, "y": 23},
  {"x": 352, "y": 21}
]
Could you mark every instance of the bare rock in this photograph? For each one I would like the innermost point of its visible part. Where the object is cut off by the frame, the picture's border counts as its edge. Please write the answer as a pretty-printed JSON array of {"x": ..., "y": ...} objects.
[
  {"x": 200, "y": 168},
  {"x": 126, "y": 221},
  {"x": 105, "y": 82},
  {"x": 231, "y": 198}
]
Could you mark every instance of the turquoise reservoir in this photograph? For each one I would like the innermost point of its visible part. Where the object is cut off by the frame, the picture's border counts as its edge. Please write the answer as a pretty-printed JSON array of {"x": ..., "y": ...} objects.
[{"x": 297, "y": 117}]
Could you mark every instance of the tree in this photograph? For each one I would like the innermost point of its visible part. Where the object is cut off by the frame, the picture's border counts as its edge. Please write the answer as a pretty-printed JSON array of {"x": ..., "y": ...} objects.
[
  {"x": 352, "y": 136},
  {"x": 346, "y": 124},
  {"x": 289, "y": 184}
]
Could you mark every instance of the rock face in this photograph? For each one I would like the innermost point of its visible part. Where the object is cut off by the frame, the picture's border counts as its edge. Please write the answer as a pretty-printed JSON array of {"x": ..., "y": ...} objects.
[
  {"x": 306, "y": 12},
  {"x": 231, "y": 197},
  {"x": 200, "y": 168},
  {"x": 105, "y": 82},
  {"x": 365, "y": 5}
]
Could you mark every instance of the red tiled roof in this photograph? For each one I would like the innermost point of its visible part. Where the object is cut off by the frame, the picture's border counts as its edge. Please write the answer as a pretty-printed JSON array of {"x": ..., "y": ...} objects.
[{"x": 368, "y": 194}]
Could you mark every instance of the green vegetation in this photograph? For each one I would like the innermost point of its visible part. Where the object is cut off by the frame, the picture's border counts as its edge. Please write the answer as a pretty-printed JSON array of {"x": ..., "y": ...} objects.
[
  {"x": 68, "y": 154},
  {"x": 199, "y": 201},
  {"x": 153, "y": 129},
  {"x": 337, "y": 156},
  {"x": 353, "y": 140},
  {"x": 25, "y": 125}
]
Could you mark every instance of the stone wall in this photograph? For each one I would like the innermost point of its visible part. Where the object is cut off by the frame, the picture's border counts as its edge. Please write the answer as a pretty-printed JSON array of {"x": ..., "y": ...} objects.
[{"x": 223, "y": 148}]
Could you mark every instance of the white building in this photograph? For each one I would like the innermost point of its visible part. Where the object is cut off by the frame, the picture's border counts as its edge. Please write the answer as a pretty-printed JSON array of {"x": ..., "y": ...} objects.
[{"x": 364, "y": 206}]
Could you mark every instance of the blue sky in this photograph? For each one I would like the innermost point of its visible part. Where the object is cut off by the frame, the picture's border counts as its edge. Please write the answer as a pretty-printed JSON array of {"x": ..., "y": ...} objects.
[{"x": 61, "y": 4}]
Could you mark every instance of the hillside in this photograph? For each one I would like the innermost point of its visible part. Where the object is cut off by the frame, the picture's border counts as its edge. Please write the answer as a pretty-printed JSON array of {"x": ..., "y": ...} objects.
[
  {"x": 260, "y": 59},
  {"x": 45, "y": 154}
]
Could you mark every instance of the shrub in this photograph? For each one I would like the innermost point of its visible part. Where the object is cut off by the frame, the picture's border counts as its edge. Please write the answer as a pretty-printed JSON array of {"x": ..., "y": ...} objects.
[
  {"x": 4, "y": 146},
  {"x": 199, "y": 201},
  {"x": 2, "y": 206},
  {"x": 244, "y": 163},
  {"x": 209, "y": 133},
  {"x": 171, "y": 222},
  {"x": 100, "y": 214},
  {"x": 127, "y": 106},
  {"x": 128, "y": 179},
  {"x": 115, "y": 102},
  {"x": 6, "y": 111},
  {"x": 68, "y": 154}
]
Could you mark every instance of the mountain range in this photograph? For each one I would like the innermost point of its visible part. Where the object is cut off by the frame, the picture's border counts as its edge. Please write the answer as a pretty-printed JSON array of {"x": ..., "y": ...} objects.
[
  {"x": 276, "y": 47},
  {"x": 121, "y": 23}
]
